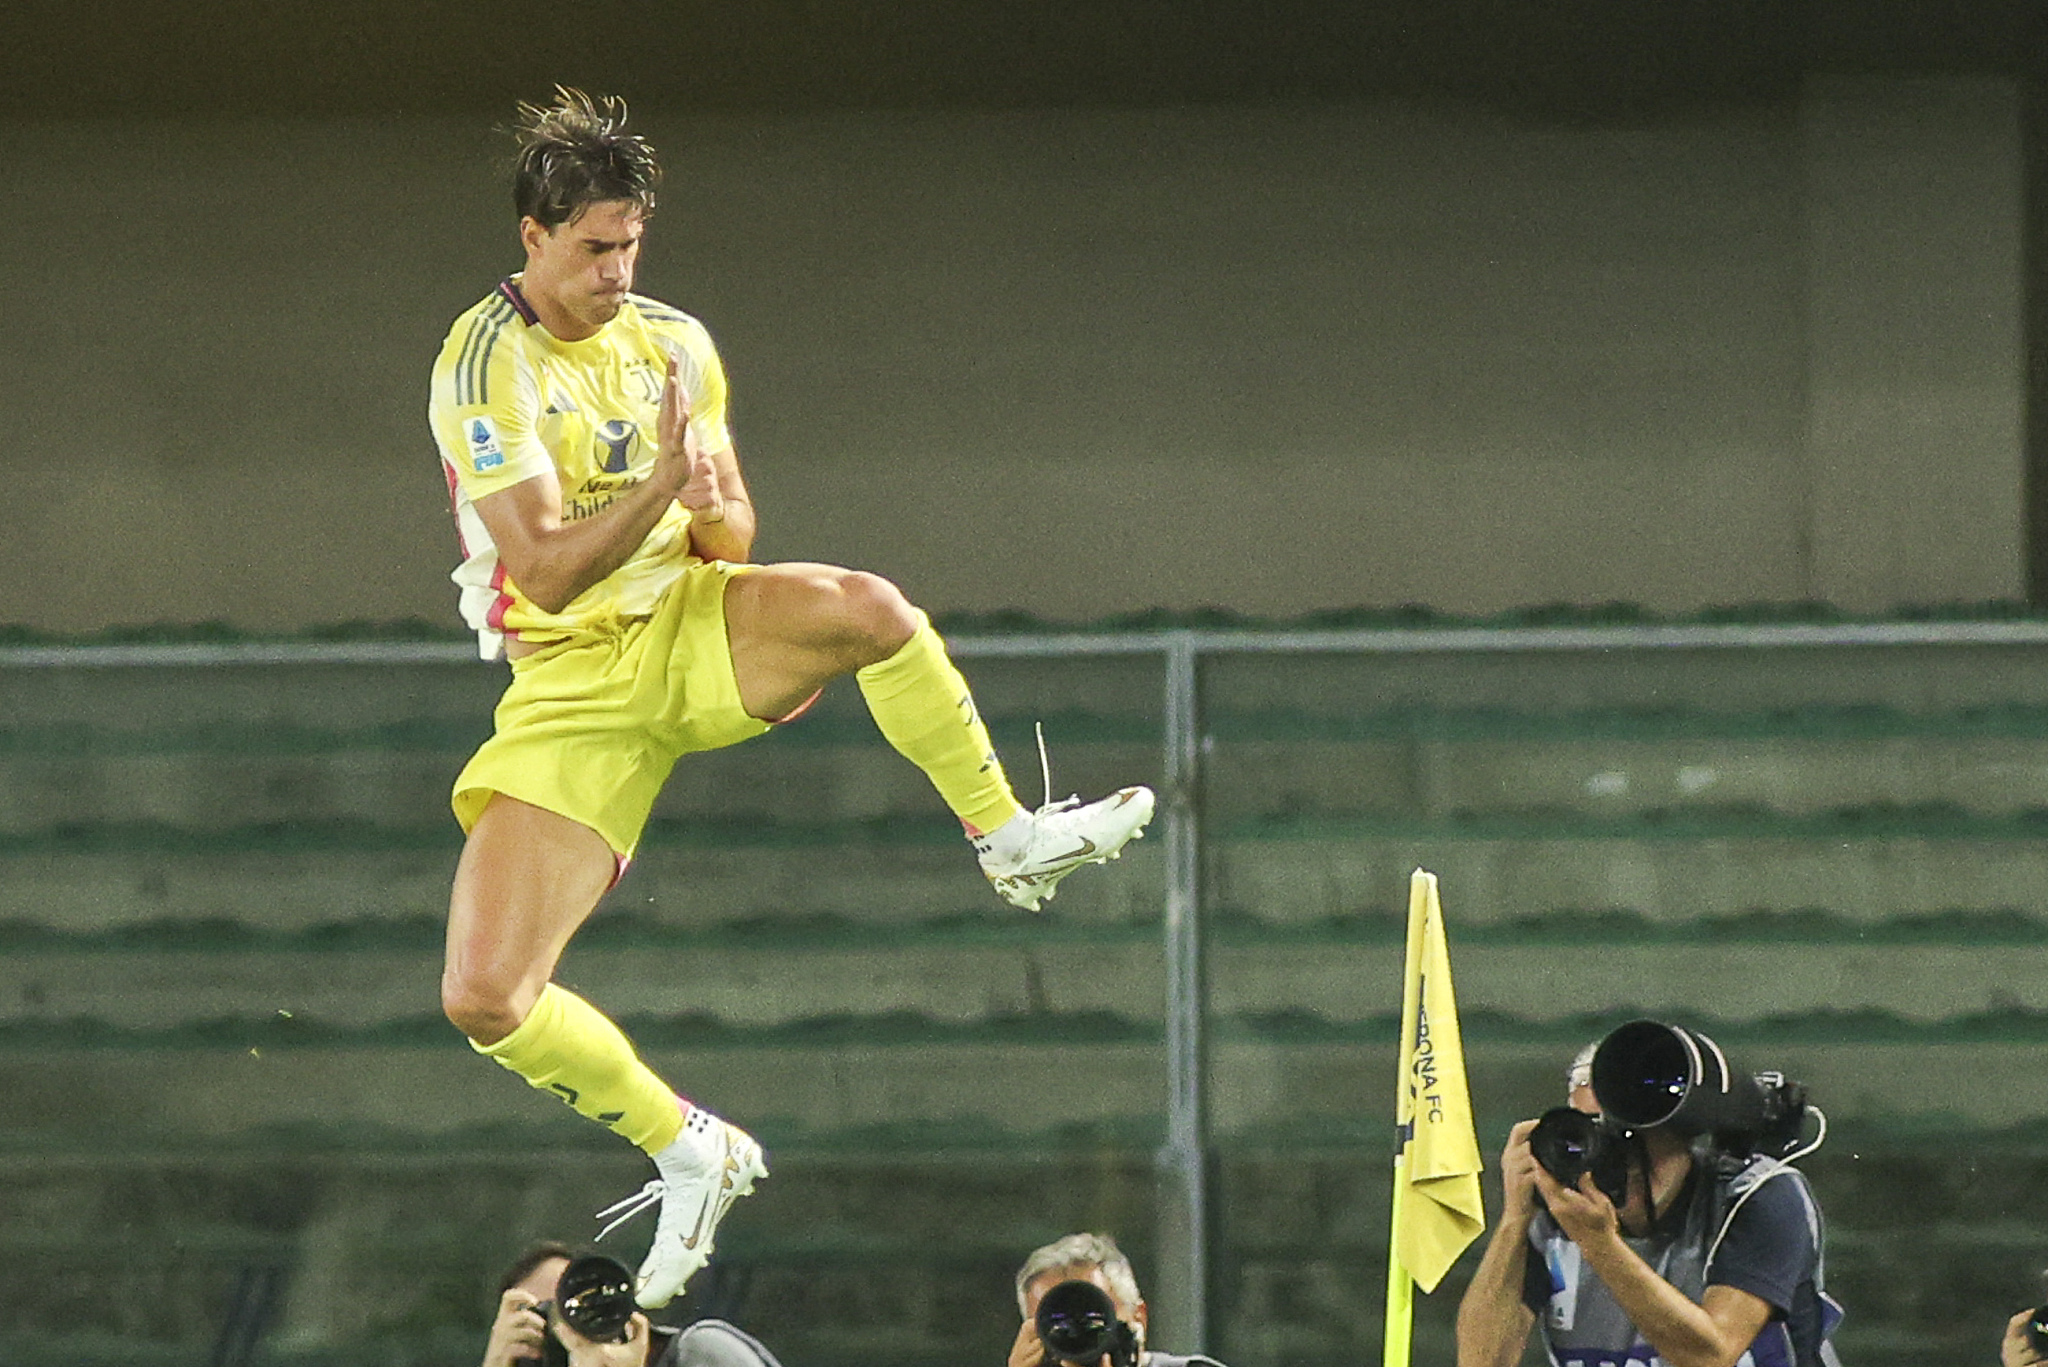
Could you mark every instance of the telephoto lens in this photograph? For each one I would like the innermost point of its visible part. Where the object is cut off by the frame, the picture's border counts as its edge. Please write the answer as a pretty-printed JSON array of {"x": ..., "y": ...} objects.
[
  {"x": 595, "y": 1298},
  {"x": 1648, "y": 1074},
  {"x": 1077, "y": 1323}
]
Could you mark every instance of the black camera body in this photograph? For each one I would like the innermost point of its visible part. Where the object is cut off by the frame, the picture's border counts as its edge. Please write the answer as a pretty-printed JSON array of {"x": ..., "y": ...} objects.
[
  {"x": 1077, "y": 1322},
  {"x": 2037, "y": 1330},
  {"x": 1568, "y": 1144}
]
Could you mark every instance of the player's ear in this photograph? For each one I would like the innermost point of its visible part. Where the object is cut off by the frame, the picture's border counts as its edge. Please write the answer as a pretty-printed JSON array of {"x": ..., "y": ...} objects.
[{"x": 532, "y": 234}]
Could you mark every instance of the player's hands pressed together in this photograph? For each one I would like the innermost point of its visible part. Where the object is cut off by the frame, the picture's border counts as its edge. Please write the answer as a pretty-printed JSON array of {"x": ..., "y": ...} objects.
[
  {"x": 554, "y": 559},
  {"x": 706, "y": 483},
  {"x": 679, "y": 462},
  {"x": 516, "y": 1332}
]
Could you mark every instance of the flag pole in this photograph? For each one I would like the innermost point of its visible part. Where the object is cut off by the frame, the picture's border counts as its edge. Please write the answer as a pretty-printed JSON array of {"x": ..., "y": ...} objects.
[
  {"x": 1400, "y": 1318},
  {"x": 1400, "y": 1294}
]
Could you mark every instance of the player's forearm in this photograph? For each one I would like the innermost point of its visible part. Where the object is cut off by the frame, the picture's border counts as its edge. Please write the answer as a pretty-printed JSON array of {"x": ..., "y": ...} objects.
[
  {"x": 1678, "y": 1327},
  {"x": 564, "y": 560},
  {"x": 1493, "y": 1324}
]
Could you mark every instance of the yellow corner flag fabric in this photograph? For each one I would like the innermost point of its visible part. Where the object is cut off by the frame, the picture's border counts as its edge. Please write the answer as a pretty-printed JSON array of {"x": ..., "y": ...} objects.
[{"x": 1439, "y": 1211}]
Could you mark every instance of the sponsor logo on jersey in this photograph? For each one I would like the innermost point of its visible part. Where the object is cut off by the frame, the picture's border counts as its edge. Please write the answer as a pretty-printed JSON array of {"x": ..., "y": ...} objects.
[
  {"x": 485, "y": 451},
  {"x": 614, "y": 446},
  {"x": 646, "y": 379}
]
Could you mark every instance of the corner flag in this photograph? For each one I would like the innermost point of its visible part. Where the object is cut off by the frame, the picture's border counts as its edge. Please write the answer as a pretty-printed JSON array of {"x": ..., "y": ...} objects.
[{"x": 1437, "y": 1207}]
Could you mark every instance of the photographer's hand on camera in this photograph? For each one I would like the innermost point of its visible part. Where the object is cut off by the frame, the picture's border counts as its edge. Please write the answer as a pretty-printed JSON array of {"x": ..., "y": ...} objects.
[
  {"x": 1583, "y": 1212},
  {"x": 1518, "y": 1170},
  {"x": 517, "y": 1330},
  {"x": 1493, "y": 1324},
  {"x": 583, "y": 1352},
  {"x": 2018, "y": 1350},
  {"x": 1686, "y": 1333},
  {"x": 1027, "y": 1350}
]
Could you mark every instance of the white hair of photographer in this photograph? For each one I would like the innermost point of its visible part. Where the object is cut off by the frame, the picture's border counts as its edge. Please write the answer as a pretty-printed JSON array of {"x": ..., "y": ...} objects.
[
  {"x": 1080, "y": 1250},
  {"x": 1580, "y": 1074}
]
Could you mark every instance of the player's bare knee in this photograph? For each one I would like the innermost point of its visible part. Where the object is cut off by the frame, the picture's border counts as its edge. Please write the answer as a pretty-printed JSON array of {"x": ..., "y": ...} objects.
[
  {"x": 878, "y": 616},
  {"x": 477, "y": 1010}
]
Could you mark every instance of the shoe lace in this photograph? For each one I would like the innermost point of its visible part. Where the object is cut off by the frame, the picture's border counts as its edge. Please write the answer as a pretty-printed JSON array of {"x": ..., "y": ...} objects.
[
  {"x": 642, "y": 1200},
  {"x": 1048, "y": 806}
]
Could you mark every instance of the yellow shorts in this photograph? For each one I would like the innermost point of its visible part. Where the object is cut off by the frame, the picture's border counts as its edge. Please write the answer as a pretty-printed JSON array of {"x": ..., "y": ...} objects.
[{"x": 590, "y": 726}]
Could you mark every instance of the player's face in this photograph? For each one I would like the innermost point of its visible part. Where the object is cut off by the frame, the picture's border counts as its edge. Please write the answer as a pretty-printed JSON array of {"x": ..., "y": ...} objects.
[{"x": 578, "y": 273}]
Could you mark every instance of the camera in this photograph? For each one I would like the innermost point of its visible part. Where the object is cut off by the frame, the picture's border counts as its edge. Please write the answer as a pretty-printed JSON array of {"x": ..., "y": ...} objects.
[
  {"x": 595, "y": 1298},
  {"x": 1648, "y": 1074},
  {"x": 1568, "y": 1144},
  {"x": 1077, "y": 1322},
  {"x": 2037, "y": 1330}
]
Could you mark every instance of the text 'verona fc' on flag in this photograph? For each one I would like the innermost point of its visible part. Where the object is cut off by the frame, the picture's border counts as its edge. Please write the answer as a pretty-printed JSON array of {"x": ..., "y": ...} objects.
[{"x": 1441, "y": 1211}]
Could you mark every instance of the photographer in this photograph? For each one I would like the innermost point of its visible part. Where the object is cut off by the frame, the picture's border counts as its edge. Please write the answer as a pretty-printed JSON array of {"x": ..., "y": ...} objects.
[
  {"x": 1676, "y": 1243},
  {"x": 531, "y": 1328},
  {"x": 1094, "y": 1259}
]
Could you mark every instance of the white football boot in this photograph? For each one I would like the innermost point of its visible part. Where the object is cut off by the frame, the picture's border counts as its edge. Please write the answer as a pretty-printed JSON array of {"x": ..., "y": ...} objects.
[
  {"x": 1026, "y": 864},
  {"x": 710, "y": 1165}
]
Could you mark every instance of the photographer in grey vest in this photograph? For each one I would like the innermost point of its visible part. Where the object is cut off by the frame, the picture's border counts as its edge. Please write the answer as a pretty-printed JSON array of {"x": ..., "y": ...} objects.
[
  {"x": 534, "y": 1329},
  {"x": 1661, "y": 1232},
  {"x": 1094, "y": 1259}
]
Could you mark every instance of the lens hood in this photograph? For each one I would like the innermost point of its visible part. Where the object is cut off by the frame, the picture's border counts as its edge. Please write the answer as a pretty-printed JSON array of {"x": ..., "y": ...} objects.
[
  {"x": 1077, "y": 1323},
  {"x": 1648, "y": 1074},
  {"x": 595, "y": 1298}
]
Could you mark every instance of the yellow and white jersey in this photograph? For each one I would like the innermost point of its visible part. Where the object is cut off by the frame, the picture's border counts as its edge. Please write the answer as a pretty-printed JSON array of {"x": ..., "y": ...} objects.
[{"x": 510, "y": 402}]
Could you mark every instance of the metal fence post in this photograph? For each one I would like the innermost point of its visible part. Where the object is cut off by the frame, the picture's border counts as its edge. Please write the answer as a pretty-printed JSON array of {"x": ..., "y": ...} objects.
[{"x": 1183, "y": 1254}]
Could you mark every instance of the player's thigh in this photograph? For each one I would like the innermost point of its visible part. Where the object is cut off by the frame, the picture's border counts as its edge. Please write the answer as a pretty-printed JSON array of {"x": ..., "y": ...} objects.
[
  {"x": 527, "y": 879},
  {"x": 794, "y": 628}
]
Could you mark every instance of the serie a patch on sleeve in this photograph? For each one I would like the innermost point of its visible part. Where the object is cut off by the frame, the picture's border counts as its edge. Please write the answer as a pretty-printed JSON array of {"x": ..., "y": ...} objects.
[{"x": 486, "y": 452}]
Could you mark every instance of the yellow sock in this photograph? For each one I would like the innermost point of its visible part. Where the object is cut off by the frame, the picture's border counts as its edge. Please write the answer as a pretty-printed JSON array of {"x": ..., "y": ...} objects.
[
  {"x": 923, "y": 707},
  {"x": 568, "y": 1047}
]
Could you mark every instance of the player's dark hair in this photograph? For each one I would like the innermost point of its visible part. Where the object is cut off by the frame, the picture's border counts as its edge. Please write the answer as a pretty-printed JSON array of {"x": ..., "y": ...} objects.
[
  {"x": 576, "y": 153},
  {"x": 533, "y": 1257}
]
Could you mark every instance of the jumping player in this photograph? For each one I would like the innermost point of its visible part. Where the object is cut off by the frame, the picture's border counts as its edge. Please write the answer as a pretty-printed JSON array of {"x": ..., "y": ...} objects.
[{"x": 605, "y": 529}]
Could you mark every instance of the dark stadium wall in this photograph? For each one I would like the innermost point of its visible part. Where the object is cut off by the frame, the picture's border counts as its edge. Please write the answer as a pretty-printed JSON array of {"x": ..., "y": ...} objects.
[{"x": 1270, "y": 356}]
